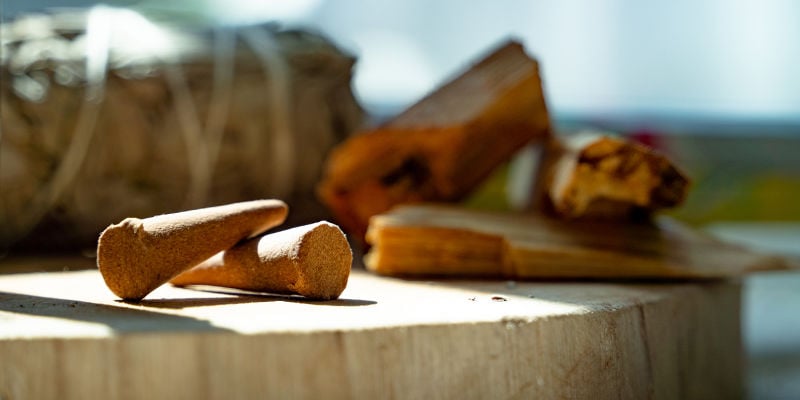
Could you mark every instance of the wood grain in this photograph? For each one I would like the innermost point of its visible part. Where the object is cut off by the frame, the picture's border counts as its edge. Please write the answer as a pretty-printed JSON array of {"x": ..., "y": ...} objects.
[{"x": 64, "y": 336}]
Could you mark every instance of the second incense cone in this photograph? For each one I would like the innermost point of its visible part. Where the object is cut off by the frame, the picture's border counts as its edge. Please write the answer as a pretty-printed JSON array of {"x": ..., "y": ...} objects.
[{"x": 312, "y": 260}]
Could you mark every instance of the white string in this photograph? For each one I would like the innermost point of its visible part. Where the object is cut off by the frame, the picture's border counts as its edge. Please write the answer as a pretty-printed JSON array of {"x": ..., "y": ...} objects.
[
  {"x": 221, "y": 92},
  {"x": 277, "y": 72},
  {"x": 190, "y": 127},
  {"x": 203, "y": 145},
  {"x": 98, "y": 38}
]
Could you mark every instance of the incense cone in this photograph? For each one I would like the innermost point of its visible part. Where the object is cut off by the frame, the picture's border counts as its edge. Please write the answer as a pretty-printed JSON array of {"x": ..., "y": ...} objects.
[
  {"x": 312, "y": 260},
  {"x": 136, "y": 256}
]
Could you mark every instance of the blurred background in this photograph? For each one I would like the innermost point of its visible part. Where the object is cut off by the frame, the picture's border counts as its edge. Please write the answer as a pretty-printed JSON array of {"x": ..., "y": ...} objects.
[{"x": 714, "y": 84}]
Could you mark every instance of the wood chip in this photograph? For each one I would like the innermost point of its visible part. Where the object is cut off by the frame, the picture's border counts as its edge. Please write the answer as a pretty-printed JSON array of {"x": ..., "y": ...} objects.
[{"x": 597, "y": 176}]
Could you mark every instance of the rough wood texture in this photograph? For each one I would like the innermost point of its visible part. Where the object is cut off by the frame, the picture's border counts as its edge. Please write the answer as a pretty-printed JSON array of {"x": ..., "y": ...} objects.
[
  {"x": 312, "y": 260},
  {"x": 451, "y": 240},
  {"x": 591, "y": 175},
  {"x": 441, "y": 148},
  {"x": 64, "y": 336}
]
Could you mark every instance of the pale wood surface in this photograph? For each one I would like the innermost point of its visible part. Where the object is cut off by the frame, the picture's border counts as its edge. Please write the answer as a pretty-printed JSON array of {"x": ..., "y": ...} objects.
[{"x": 64, "y": 335}]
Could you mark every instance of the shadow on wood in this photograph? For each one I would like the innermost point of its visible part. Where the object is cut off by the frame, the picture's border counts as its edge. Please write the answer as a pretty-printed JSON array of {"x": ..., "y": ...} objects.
[
  {"x": 121, "y": 319},
  {"x": 242, "y": 296}
]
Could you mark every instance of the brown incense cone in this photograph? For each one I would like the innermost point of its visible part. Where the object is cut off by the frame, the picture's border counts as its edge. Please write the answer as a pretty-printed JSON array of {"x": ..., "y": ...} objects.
[
  {"x": 312, "y": 260},
  {"x": 136, "y": 256}
]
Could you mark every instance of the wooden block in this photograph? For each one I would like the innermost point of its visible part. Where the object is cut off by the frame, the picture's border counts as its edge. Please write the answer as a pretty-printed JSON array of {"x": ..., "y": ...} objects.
[
  {"x": 63, "y": 336},
  {"x": 444, "y": 146},
  {"x": 451, "y": 240},
  {"x": 596, "y": 176}
]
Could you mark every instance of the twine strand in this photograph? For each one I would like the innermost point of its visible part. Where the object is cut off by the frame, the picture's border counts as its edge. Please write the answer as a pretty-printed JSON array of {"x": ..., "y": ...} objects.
[
  {"x": 276, "y": 70},
  {"x": 98, "y": 33}
]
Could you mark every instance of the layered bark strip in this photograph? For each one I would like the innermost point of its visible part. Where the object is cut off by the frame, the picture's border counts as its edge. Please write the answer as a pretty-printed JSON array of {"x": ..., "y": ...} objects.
[
  {"x": 443, "y": 147},
  {"x": 437, "y": 240}
]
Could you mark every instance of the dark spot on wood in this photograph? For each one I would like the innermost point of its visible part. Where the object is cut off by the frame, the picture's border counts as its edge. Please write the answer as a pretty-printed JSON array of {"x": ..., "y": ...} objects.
[
  {"x": 413, "y": 171},
  {"x": 672, "y": 190}
]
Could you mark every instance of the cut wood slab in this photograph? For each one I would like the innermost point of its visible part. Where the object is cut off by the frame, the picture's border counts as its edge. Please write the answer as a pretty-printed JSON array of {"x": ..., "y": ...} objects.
[
  {"x": 64, "y": 336},
  {"x": 442, "y": 147},
  {"x": 452, "y": 240}
]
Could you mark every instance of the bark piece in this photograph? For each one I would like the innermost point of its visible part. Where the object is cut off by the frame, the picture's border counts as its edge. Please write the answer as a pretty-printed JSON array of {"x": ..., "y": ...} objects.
[{"x": 592, "y": 175}]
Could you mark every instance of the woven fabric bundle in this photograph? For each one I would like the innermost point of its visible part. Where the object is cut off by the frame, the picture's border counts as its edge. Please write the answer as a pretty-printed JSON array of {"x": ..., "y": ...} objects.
[{"x": 107, "y": 115}]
